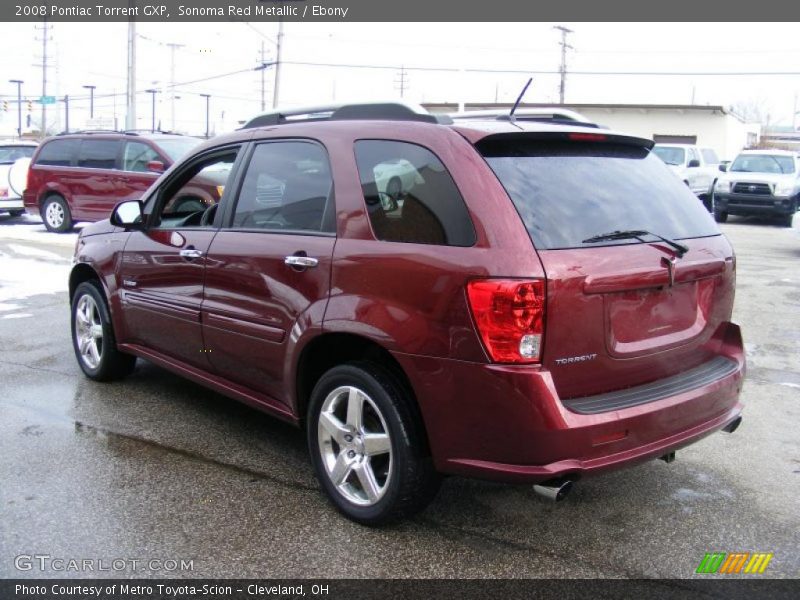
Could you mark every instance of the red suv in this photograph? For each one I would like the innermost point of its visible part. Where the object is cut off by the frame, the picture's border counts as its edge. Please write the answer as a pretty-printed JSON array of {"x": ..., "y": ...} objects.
[
  {"x": 82, "y": 176},
  {"x": 523, "y": 301}
]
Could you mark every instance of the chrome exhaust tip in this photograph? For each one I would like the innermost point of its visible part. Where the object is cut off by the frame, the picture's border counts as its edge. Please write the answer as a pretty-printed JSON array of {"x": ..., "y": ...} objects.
[
  {"x": 733, "y": 425},
  {"x": 555, "y": 489}
]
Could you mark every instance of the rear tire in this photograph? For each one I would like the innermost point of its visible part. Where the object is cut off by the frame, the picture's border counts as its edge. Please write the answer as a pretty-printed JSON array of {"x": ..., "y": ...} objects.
[
  {"x": 93, "y": 336},
  {"x": 368, "y": 445},
  {"x": 55, "y": 214},
  {"x": 17, "y": 212},
  {"x": 721, "y": 216}
]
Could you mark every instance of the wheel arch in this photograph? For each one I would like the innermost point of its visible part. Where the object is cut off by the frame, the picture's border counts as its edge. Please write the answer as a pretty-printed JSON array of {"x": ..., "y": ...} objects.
[
  {"x": 84, "y": 272},
  {"x": 327, "y": 350}
]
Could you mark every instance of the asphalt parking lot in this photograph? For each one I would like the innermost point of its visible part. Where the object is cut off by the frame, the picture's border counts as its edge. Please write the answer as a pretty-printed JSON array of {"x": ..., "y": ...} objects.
[{"x": 156, "y": 467}]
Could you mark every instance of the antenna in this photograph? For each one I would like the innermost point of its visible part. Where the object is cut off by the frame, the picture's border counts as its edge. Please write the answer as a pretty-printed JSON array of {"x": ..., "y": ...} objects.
[{"x": 519, "y": 99}]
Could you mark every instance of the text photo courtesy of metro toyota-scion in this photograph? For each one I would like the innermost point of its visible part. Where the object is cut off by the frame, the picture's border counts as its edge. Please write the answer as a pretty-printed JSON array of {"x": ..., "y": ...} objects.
[{"x": 328, "y": 305}]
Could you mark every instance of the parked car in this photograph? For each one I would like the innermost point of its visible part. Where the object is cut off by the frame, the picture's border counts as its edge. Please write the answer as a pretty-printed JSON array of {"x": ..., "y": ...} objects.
[
  {"x": 760, "y": 182},
  {"x": 10, "y": 153},
  {"x": 697, "y": 167},
  {"x": 548, "y": 302},
  {"x": 82, "y": 176}
]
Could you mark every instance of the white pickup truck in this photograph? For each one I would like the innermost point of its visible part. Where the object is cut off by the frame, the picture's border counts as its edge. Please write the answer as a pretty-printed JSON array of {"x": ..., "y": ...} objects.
[{"x": 698, "y": 167}]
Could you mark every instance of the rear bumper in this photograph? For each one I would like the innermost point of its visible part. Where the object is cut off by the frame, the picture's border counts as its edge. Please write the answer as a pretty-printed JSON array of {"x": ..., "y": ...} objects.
[
  {"x": 748, "y": 204},
  {"x": 507, "y": 423},
  {"x": 11, "y": 204}
]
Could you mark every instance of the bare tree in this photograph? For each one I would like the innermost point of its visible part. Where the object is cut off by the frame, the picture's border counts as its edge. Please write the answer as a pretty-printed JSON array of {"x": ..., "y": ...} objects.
[{"x": 753, "y": 110}]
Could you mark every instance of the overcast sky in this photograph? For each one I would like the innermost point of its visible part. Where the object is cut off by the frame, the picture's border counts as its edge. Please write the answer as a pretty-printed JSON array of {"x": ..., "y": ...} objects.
[{"x": 95, "y": 54}]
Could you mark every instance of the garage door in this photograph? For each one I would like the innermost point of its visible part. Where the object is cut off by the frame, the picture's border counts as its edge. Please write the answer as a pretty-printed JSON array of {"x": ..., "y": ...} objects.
[{"x": 674, "y": 139}]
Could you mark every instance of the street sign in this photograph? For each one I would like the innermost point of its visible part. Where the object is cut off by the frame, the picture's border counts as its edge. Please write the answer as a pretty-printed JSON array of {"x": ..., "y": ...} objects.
[{"x": 47, "y": 100}]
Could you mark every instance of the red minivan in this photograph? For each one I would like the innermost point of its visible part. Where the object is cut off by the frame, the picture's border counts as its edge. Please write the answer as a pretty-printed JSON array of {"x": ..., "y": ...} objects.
[
  {"x": 523, "y": 301},
  {"x": 82, "y": 176}
]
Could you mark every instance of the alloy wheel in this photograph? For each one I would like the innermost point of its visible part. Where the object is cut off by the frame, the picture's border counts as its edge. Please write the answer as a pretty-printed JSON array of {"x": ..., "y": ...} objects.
[
  {"x": 88, "y": 331},
  {"x": 54, "y": 213},
  {"x": 355, "y": 445}
]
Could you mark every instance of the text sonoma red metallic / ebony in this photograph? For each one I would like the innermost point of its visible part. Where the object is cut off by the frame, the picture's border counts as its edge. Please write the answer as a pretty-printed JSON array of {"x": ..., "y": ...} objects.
[{"x": 530, "y": 301}]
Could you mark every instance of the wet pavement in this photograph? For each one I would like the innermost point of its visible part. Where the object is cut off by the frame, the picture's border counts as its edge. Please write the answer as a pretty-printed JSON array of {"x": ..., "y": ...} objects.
[{"x": 158, "y": 468}]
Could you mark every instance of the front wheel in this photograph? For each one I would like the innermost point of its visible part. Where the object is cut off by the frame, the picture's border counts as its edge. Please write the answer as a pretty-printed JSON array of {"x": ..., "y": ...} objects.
[
  {"x": 56, "y": 215},
  {"x": 368, "y": 445},
  {"x": 93, "y": 336},
  {"x": 720, "y": 216},
  {"x": 787, "y": 220}
]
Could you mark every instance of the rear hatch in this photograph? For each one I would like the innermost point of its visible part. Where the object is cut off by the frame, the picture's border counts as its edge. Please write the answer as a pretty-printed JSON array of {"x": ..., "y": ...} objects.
[{"x": 619, "y": 312}]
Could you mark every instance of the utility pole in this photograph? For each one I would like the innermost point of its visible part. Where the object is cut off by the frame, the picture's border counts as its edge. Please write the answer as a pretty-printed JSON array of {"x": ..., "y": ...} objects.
[
  {"x": 262, "y": 61},
  {"x": 794, "y": 113},
  {"x": 19, "y": 83},
  {"x": 45, "y": 29},
  {"x": 208, "y": 106},
  {"x": 564, "y": 46},
  {"x": 401, "y": 83},
  {"x": 153, "y": 93},
  {"x": 130, "y": 115},
  {"x": 91, "y": 89},
  {"x": 66, "y": 113},
  {"x": 172, "y": 48},
  {"x": 278, "y": 48}
]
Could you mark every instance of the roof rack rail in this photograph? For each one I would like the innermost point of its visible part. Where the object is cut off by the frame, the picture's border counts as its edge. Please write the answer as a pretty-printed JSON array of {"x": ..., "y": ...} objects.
[
  {"x": 378, "y": 111},
  {"x": 121, "y": 131},
  {"x": 89, "y": 131},
  {"x": 559, "y": 116}
]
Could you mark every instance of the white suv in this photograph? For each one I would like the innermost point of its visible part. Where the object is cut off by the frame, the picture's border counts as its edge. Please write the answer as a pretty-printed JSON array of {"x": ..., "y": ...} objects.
[
  {"x": 11, "y": 184},
  {"x": 698, "y": 167}
]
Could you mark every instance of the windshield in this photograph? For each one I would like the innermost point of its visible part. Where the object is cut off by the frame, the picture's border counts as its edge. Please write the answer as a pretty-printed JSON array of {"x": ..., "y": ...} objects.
[
  {"x": 567, "y": 192},
  {"x": 670, "y": 155},
  {"x": 175, "y": 148},
  {"x": 763, "y": 163},
  {"x": 10, "y": 154}
]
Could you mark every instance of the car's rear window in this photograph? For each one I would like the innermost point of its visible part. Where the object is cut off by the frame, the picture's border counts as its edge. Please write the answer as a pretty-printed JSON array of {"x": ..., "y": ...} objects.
[{"x": 567, "y": 192}]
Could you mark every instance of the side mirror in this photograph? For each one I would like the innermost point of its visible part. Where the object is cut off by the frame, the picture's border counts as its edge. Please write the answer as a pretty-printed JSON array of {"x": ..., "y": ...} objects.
[
  {"x": 128, "y": 215},
  {"x": 724, "y": 168},
  {"x": 156, "y": 166},
  {"x": 693, "y": 163}
]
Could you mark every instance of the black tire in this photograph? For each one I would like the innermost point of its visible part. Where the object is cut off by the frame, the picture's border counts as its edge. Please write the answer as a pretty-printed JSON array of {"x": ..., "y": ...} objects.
[
  {"x": 721, "y": 216},
  {"x": 787, "y": 220},
  {"x": 412, "y": 481},
  {"x": 56, "y": 214},
  {"x": 17, "y": 212},
  {"x": 112, "y": 363}
]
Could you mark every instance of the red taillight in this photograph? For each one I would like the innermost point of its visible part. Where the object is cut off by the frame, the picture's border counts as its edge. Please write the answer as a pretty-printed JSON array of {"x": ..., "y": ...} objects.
[
  {"x": 509, "y": 314},
  {"x": 587, "y": 137}
]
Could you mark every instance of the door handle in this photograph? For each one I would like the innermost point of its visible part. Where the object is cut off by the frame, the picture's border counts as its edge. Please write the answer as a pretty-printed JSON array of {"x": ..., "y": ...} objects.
[
  {"x": 303, "y": 262},
  {"x": 191, "y": 253}
]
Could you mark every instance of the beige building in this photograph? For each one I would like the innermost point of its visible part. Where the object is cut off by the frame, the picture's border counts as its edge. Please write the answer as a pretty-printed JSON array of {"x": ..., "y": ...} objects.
[{"x": 712, "y": 126}]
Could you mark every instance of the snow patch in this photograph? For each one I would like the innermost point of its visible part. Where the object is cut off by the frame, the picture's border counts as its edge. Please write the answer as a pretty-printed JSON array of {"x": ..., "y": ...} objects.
[
  {"x": 24, "y": 277},
  {"x": 17, "y": 316},
  {"x": 35, "y": 252}
]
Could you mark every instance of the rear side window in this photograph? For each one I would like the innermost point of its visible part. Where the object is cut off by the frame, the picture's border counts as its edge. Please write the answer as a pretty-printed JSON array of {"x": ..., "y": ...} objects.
[
  {"x": 410, "y": 195},
  {"x": 567, "y": 192},
  {"x": 9, "y": 154},
  {"x": 288, "y": 186},
  {"x": 98, "y": 154},
  {"x": 58, "y": 153}
]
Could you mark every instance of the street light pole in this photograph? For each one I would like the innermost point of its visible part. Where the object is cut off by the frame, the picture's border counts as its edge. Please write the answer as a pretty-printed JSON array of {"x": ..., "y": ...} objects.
[
  {"x": 19, "y": 83},
  {"x": 153, "y": 93},
  {"x": 208, "y": 106},
  {"x": 91, "y": 89}
]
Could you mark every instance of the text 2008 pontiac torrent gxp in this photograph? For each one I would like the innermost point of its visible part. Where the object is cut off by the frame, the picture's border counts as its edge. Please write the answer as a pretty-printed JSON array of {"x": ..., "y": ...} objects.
[{"x": 518, "y": 299}]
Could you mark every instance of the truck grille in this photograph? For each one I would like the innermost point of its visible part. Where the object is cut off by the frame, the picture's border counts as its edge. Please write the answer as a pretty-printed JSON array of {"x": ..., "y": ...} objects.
[{"x": 761, "y": 189}]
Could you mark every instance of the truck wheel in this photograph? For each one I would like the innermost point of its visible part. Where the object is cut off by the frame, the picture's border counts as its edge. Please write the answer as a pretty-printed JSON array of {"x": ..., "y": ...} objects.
[
  {"x": 368, "y": 444},
  {"x": 720, "y": 216},
  {"x": 55, "y": 214},
  {"x": 787, "y": 220}
]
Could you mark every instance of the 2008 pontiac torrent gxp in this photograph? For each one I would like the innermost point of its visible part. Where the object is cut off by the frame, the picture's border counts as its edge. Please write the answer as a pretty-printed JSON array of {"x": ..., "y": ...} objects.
[{"x": 520, "y": 300}]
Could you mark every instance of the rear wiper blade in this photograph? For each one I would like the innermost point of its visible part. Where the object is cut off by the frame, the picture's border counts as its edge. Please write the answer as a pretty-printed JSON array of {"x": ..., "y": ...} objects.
[{"x": 637, "y": 234}]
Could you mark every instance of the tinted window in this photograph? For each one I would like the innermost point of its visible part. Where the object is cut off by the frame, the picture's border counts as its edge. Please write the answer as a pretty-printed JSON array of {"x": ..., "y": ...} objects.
[
  {"x": 137, "y": 155},
  {"x": 567, "y": 192},
  {"x": 58, "y": 153},
  {"x": 693, "y": 154},
  {"x": 9, "y": 154},
  {"x": 287, "y": 186},
  {"x": 710, "y": 156},
  {"x": 410, "y": 196},
  {"x": 175, "y": 148},
  {"x": 192, "y": 198},
  {"x": 98, "y": 154}
]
